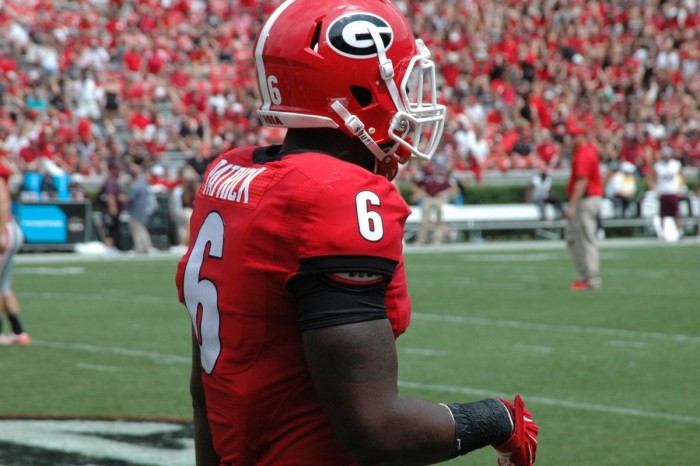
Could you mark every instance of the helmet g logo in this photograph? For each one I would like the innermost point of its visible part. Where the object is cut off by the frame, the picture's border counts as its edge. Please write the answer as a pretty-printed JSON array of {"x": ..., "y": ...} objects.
[{"x": 349, "y": 35}]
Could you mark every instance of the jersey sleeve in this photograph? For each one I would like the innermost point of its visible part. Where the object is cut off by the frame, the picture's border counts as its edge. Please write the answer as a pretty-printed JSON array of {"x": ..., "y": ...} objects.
[
  {"x": 353, "y": 238},
  {"x": 355, "y": 216}
]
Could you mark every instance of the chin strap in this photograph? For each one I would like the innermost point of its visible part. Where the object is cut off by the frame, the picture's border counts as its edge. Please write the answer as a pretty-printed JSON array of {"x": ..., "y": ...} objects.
[
  {"x": 385, "y": 164},
  {"x": 357, "y": 128},
  {"x": 388, "y": 168},
  {"x": 386, "y": 70}
]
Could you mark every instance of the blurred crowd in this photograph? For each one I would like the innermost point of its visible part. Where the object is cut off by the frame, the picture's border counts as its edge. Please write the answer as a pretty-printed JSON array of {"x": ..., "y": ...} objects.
[{"x": 86, "y": 84}]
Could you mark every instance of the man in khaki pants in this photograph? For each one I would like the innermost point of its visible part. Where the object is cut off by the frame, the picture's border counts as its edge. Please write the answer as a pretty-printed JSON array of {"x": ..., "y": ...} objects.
[
  {"x": 584, "y": 191},
  {"x": 434, "y": 184}
]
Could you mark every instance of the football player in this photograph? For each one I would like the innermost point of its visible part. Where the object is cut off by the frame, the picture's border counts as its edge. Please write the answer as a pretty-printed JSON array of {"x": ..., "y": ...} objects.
[
  {"x": 666, "y": 180},
  {"x": 11, "y": 241},
  {"x": 294, "y": 277}
]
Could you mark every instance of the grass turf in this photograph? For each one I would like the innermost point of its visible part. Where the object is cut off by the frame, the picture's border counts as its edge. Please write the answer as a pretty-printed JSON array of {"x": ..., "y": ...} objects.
[{"x": 611, "y": 376}]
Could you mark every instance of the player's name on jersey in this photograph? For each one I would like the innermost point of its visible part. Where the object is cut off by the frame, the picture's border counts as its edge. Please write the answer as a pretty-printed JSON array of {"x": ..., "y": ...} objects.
[{"x": 230, "y": 182}]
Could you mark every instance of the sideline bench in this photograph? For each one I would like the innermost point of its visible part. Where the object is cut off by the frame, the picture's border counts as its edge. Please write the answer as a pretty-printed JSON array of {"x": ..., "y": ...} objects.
[
  {"x": 472, "y": 220},
  {"x": 469, "y": 221}
]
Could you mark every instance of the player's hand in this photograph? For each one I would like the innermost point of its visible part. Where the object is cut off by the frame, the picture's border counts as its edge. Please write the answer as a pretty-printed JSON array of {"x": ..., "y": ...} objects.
[{"x": 521, "y": 448}]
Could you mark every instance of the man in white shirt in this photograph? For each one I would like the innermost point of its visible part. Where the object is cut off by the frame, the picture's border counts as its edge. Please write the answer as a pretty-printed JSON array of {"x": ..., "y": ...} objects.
[
  {"x": 666, "y": 180},
  {"x": 540, "y": 193},
  {"x": 621, "y": 189}
]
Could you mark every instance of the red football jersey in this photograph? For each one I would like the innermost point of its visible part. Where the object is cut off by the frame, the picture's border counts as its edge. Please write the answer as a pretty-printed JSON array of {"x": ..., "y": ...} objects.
[{"x": 256, "y": 217}]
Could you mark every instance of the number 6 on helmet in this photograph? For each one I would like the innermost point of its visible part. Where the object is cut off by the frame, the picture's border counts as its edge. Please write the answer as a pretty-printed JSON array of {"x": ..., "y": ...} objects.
[{"x": 386, "y": 94}]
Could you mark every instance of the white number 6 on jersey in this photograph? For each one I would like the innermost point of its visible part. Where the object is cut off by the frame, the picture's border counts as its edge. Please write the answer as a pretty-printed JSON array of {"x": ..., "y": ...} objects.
[
  {"x": 369, "y": 221},
  {"x": 201, "y": 295}
]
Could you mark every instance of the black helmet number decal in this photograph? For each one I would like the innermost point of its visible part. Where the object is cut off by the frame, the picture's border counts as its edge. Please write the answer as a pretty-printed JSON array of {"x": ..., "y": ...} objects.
[{"x": 349, "y": 35}]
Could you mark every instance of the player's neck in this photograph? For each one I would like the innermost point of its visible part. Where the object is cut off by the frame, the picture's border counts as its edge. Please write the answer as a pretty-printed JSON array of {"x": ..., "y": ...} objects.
[{"x": 329, "y": 141}]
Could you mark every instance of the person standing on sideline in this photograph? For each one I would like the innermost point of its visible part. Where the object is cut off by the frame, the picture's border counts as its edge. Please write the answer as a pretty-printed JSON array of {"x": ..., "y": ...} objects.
[
  {"x": 667, "y": 182},
  {"x": 540, "y": 193},
  {"x": 434, "y": 185},
  {"x": 182, "y": 202},
  {"x": 11, "y": 240},
  {"x": 139, "y": 210},
  {"x": 585, "y": 190},
  {"x": 294, "y": 278},
  {"x": 112, "y": 201},
  {"x": 621, "y": 189}
]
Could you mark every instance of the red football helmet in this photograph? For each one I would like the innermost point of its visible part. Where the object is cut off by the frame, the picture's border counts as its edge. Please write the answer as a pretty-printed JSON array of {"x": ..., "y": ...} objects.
[{"x": 353, "y": 65}]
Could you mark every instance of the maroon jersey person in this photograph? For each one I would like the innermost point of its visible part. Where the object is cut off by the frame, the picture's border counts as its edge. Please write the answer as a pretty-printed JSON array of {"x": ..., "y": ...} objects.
[{"x": 294, "y": 277}]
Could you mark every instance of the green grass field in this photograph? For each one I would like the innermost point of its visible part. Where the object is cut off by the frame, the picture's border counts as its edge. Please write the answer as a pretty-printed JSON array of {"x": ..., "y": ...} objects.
[{"x": 612, "y": 377}]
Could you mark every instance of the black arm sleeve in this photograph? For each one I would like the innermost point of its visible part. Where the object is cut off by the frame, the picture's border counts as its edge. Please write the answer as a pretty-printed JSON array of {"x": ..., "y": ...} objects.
[
  {"x": 324, "y": 301},
  {"x": 480, "y": 423}
]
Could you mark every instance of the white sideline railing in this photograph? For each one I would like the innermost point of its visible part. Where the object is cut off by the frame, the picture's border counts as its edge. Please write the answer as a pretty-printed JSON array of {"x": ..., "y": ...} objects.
[{"x": 473, "y": 219}]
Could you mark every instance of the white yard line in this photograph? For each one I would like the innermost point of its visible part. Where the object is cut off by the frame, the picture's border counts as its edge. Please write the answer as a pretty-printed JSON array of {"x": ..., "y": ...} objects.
[
  {"x": 58, "y": 258},
  {"x": 534, "y": 349},
  {"x": 613, "y": 243},
  {"x": 576, "y": 329},
  {"x": 157, "y": 357},
  {"x": 427, "y": 352},
  {"x": 622, "y": 243},
  {"x": 172, "y": 359},
  {"x": 50, "y": 270},
  {"x": 628, "y": 344},
  {"x": 555, "y": 402},
  {"x": 105, "y": 294},
  {"x": 97, "y": 367}
]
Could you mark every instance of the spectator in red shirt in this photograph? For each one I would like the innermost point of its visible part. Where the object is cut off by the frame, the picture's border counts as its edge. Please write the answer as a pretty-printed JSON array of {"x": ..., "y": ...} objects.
[
  {"x": 132, "y": 59},
  {"x": 547, "y": 151},
  {"x": 31, "y": 155},
  {"x": 593, "y": 65},
  {"x": 585, "y": 190},
  {"x": 139, "y": 118}
]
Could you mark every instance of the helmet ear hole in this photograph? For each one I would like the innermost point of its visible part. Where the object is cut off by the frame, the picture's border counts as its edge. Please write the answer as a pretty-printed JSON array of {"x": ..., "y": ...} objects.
[
  {"x": 362, "y": 95},
  {"x": 315, "y": 38}
]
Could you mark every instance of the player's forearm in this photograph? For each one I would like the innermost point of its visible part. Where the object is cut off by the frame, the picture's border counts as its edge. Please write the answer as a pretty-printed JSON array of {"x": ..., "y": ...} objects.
[
  {"x": 409, "y": 432},
  {"x": 419, "y": 432},
  {"x": 354, "y": 368}
]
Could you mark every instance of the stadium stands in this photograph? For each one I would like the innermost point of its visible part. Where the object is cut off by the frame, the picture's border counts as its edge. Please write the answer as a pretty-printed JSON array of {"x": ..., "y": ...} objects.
[
  {"x": 157, "y": 79},
  {"x": 86, "y": 82}
]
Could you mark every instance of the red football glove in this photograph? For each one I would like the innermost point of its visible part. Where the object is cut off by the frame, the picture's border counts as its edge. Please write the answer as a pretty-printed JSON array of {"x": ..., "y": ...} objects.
[{"x": 521, "y": 448}]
